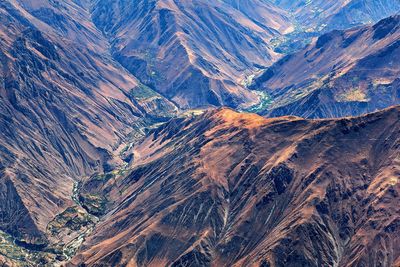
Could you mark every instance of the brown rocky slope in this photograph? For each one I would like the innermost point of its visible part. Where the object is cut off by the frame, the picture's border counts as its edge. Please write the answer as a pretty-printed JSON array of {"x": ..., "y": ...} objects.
[{"x": 232, "y": 189}]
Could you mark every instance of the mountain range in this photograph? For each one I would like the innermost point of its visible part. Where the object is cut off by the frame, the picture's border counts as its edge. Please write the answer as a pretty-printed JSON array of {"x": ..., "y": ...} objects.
[
  {"x": 115, "y": 151},
  {"x": 201, "y": 53},
  {"x": 341, "y": 73},
  {"x": 196, "y": 53},
  {"x": 318, "y": 15}
]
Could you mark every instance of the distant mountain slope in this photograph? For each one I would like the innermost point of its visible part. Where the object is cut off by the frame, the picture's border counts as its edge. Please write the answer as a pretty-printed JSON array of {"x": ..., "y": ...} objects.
[
  {"x": 65, "y": 105},
  {"x": 317, "y": 15},
  {"x": 342, "y": 73},
  {"x": 311, "y": 18},
  {"x": 231, "y": 189},
  {"x": 196, "y": 53}
]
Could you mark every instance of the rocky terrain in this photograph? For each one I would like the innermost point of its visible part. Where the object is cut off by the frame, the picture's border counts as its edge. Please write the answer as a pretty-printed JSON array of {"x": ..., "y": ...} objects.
[
  {"x": 202, "y": 53},
  {"x": 232, "y": 189},
  {"x": 65, "y": 106},
  {"x": 342, "y": 73},
  {"x": 87, "y": 156},
  {"x": 196, "y": 53}
]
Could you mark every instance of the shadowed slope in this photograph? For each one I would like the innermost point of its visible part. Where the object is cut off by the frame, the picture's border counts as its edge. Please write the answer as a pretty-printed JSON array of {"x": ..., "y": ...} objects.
[
  {"x": 64, "y": 106},
  {"x": 342, "y": 73}
]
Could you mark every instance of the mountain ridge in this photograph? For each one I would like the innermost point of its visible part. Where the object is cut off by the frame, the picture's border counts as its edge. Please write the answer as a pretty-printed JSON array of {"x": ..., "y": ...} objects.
[{"x": 238, "y": 189}]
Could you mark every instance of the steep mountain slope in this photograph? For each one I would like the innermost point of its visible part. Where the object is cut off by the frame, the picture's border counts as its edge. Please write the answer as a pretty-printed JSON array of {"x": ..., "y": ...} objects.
[
  {"x": 341, "y": 73},
  {"x": 196, "y": 53},
  {"x": 311, "y": 18},
  {"x": 65, "y": 105},
  {"x": 231, "y": 189},
  {"x": 323, "y": 15}
]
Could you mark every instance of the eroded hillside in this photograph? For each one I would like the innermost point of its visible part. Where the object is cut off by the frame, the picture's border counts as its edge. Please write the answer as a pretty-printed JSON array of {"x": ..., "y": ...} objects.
[{"x": 231, "y": 189}]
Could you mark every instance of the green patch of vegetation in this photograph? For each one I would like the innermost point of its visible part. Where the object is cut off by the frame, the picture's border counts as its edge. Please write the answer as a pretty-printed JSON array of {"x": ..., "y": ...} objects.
[
  {"x": 143, "y": 92},
  {"x": 72, "y": 218},
  {"x": 108, "y": 176},
  {"x": 20, "y": 256},
  {"x": 70, "y": 226},
  {"x": 103, "y": 177},
  {"x": 126, "y": 148},
  {"x": 293, "y": 41},
  {"x": 354, "y": 94},
  {"x": 8, "y": 249},
  {"x": 95, "y": 204},
  {"x": 247, "y": 81},
  {"x": 120, "y": 172},
  {"x": 265, "y": 101},
  {"x": 137, "y": 133}
]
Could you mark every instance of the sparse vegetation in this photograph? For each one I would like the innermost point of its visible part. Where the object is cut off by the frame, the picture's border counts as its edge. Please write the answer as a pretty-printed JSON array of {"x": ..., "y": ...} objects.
[
  {"x": 108, "y": 176},
  {"x": 20, "y": 256},
  {"x": 265, "y": 101},
  {"x": 355, "y": 94},
  {"x": 143, "y": 92},
  {"x": 95, "y": 204},
  {"x": 103, "y": 177},
  {"x": 72, "y": 218}
]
